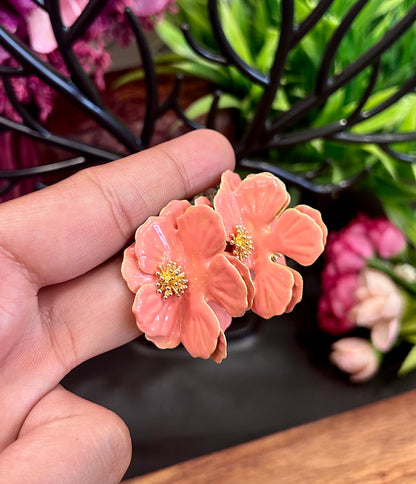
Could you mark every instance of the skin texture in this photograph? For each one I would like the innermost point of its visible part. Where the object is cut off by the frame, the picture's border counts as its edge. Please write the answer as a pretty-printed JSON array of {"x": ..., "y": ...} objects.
[{"x": 63, "y": 301}]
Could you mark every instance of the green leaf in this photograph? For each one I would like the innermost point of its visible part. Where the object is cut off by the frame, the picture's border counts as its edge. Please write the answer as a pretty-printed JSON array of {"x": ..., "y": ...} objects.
[
  {"x": 173, "y": 37},
  {"x": 409, "y": 363},
  {"x": 331, "y": 110},
  {"x": 385, "y": 159},
  {"x": 266, "y": 54},
  {"x": 403, "y": 216},
  {"x": 203, "y": 105},
  {"x": 234, "y": 34}
]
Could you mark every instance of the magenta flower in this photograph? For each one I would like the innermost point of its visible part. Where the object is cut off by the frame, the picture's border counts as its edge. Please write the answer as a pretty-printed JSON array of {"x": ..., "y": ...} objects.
[
  {"x": 261, "y": 231},
  {"x": 348, "y": 250},
  {"x": 186, "y": 287},
  {"x": 41, "y": 36},
  {"x": 32, "y": 25},
  {"x": 351, "y": 296},
  {"x": 337, "y": 300},
  {"x": 387, "y": 239}
]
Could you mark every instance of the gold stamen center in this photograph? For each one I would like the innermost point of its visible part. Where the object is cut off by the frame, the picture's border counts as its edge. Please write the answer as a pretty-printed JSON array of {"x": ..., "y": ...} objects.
[
  {"x": 171, "y": 280},
  {"x": 242, "y": 242}
]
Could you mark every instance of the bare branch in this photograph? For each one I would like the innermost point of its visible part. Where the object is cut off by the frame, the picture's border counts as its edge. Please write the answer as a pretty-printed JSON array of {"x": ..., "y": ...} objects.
[
  {"x": 301, "y": 182},
  {"x": 201, "y": 51},
  {"x": 228, "y": 52}
]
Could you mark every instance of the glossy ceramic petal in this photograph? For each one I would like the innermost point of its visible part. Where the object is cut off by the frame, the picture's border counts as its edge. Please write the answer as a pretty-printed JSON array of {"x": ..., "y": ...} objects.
[
  {"x": 274, "y": 284},
  {"x": 317, "y": 218},
  {"x": 221, "y": 350},
  {"x": 172, "y": 340},
  {"x": 245, "y": 274},
  {"x": 297, "y": 236},
  {"x": 230, "y": 180},
  {"x": 155, "y": 315},
  {"x": 223, "y": 317},
  {"x": 174, "y": 210},
  {"x": 261, "y": 198},
  {"x": 156, "y": 243},
  {"x": 226, "y": 287},
  {"x": 130, "y": 271},
  {"x": 297, "y": 290},
  {"x": 201, "y": 329},
  {"x": 201, "y": 233},
  {"x": 227, "y": 205},
  {"x": 203, "y": 201}
]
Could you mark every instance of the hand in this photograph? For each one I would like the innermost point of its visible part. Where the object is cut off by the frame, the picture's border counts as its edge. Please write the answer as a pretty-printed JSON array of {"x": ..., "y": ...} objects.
[{"x": 63, "y": 301}]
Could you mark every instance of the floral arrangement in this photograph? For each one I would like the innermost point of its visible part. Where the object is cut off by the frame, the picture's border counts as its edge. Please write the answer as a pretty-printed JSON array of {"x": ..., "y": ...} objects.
[
  {"x": 194, "y": 267},
  {"x": 27, "y": 20},
  {"x": 368, "y": 282}
]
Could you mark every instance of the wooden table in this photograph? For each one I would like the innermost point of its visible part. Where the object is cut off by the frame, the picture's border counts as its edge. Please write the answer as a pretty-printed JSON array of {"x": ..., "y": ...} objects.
[{"x": 369, "y": 445}]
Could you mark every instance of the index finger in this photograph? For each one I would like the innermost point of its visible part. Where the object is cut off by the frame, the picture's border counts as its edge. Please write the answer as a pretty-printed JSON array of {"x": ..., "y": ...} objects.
[{"x": 69, "y": 228}]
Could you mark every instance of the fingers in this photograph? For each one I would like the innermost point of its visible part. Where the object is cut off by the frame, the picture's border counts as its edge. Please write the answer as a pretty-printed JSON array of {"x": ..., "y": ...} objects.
[
  {"x": 65, "y": 230},
  {"x": 86, "y": 317},
  {"x": 67, "y": 439}
]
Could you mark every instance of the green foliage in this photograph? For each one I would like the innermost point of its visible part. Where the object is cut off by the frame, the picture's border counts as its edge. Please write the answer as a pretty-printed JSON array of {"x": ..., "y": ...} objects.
[{"x": 253, "y": 27}]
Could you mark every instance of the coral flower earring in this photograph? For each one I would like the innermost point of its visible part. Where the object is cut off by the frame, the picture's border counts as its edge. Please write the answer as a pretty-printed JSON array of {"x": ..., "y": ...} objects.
[
  {"x": 187, "y": 288},
  {"x": 261, "y": 231}
]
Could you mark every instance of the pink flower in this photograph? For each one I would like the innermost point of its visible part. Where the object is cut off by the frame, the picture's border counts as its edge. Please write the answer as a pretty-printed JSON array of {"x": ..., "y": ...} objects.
[
  {"x": 387, "y": 239},
  {"x": 41, "y": 36},
  {"x": 186, "y": 287},
  {"x": 356, "y": 357},
  {"x": 349, "y": 249},
  {"x": 336, "y": 303},
  {"x": 261, "y": 231},
  {"x": 379, "y": 306},
  {"x": 31, "y": 24}
]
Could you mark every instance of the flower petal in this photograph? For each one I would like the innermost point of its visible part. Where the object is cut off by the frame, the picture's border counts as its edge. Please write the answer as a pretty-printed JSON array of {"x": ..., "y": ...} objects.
[
  {"x": 261, "y": 197},
  {"x": 297, "y": 236},
  {"x": 297, "y": 290},
  {"x": 274, "y": 286},
  {"x": 317, "y": 217},
  {"x": 156, "y": 243},
  {"x": 130, "y": 271},
  {"x": 155, "y": 315},
  {"x": 226, "y": 287},
  {"x": 201, "y": 232},
  {"x": 245, "y": 274},
  {"x": 230, "y": 180},
  {"x": 384, "y": 334},
  {"x": 201, "y": 329},
  {"x": 367, "y": 312},
  {"x": 41, "y": 37},
  {"x": 226, "y": 203},
  {"x": 203, "y": 201},
  {"x": 175, "y": 209},
  {"x": 221, "y": 350},
  {"x": 223, "y": 317},
  {"x": 71, "y": 10},
  {"x": 172, "y": 340}
]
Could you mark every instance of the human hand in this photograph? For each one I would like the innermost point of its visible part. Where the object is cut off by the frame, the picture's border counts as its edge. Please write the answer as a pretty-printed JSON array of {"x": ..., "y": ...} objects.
[{"x": 63, "y": 301}]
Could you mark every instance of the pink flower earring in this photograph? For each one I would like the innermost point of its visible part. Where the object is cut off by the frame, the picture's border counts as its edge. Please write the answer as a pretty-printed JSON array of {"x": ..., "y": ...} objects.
[{"x": 193, "y": 268}]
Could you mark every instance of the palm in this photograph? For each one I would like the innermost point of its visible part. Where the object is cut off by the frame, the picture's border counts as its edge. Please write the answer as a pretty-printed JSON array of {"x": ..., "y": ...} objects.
[{"x": 62, "y": 301}]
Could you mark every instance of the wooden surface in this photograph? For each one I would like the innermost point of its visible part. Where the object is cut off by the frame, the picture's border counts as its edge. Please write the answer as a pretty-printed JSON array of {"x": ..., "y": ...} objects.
[{"x": 370, "y": 445}]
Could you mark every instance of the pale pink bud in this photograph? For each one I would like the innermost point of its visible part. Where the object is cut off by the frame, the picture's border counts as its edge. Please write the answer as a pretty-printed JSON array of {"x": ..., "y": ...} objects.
[
  {"x": 379, "y": 306},
  {"x": 356, "y": 357}
]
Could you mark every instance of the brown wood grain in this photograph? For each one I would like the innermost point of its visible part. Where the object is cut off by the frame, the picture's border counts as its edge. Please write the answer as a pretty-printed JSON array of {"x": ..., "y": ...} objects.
[{"x": 370, "y": 445}]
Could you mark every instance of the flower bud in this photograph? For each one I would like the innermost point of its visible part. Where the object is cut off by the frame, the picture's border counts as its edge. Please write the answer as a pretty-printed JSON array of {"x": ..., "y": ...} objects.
[{"x": 356, "y": 357}]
